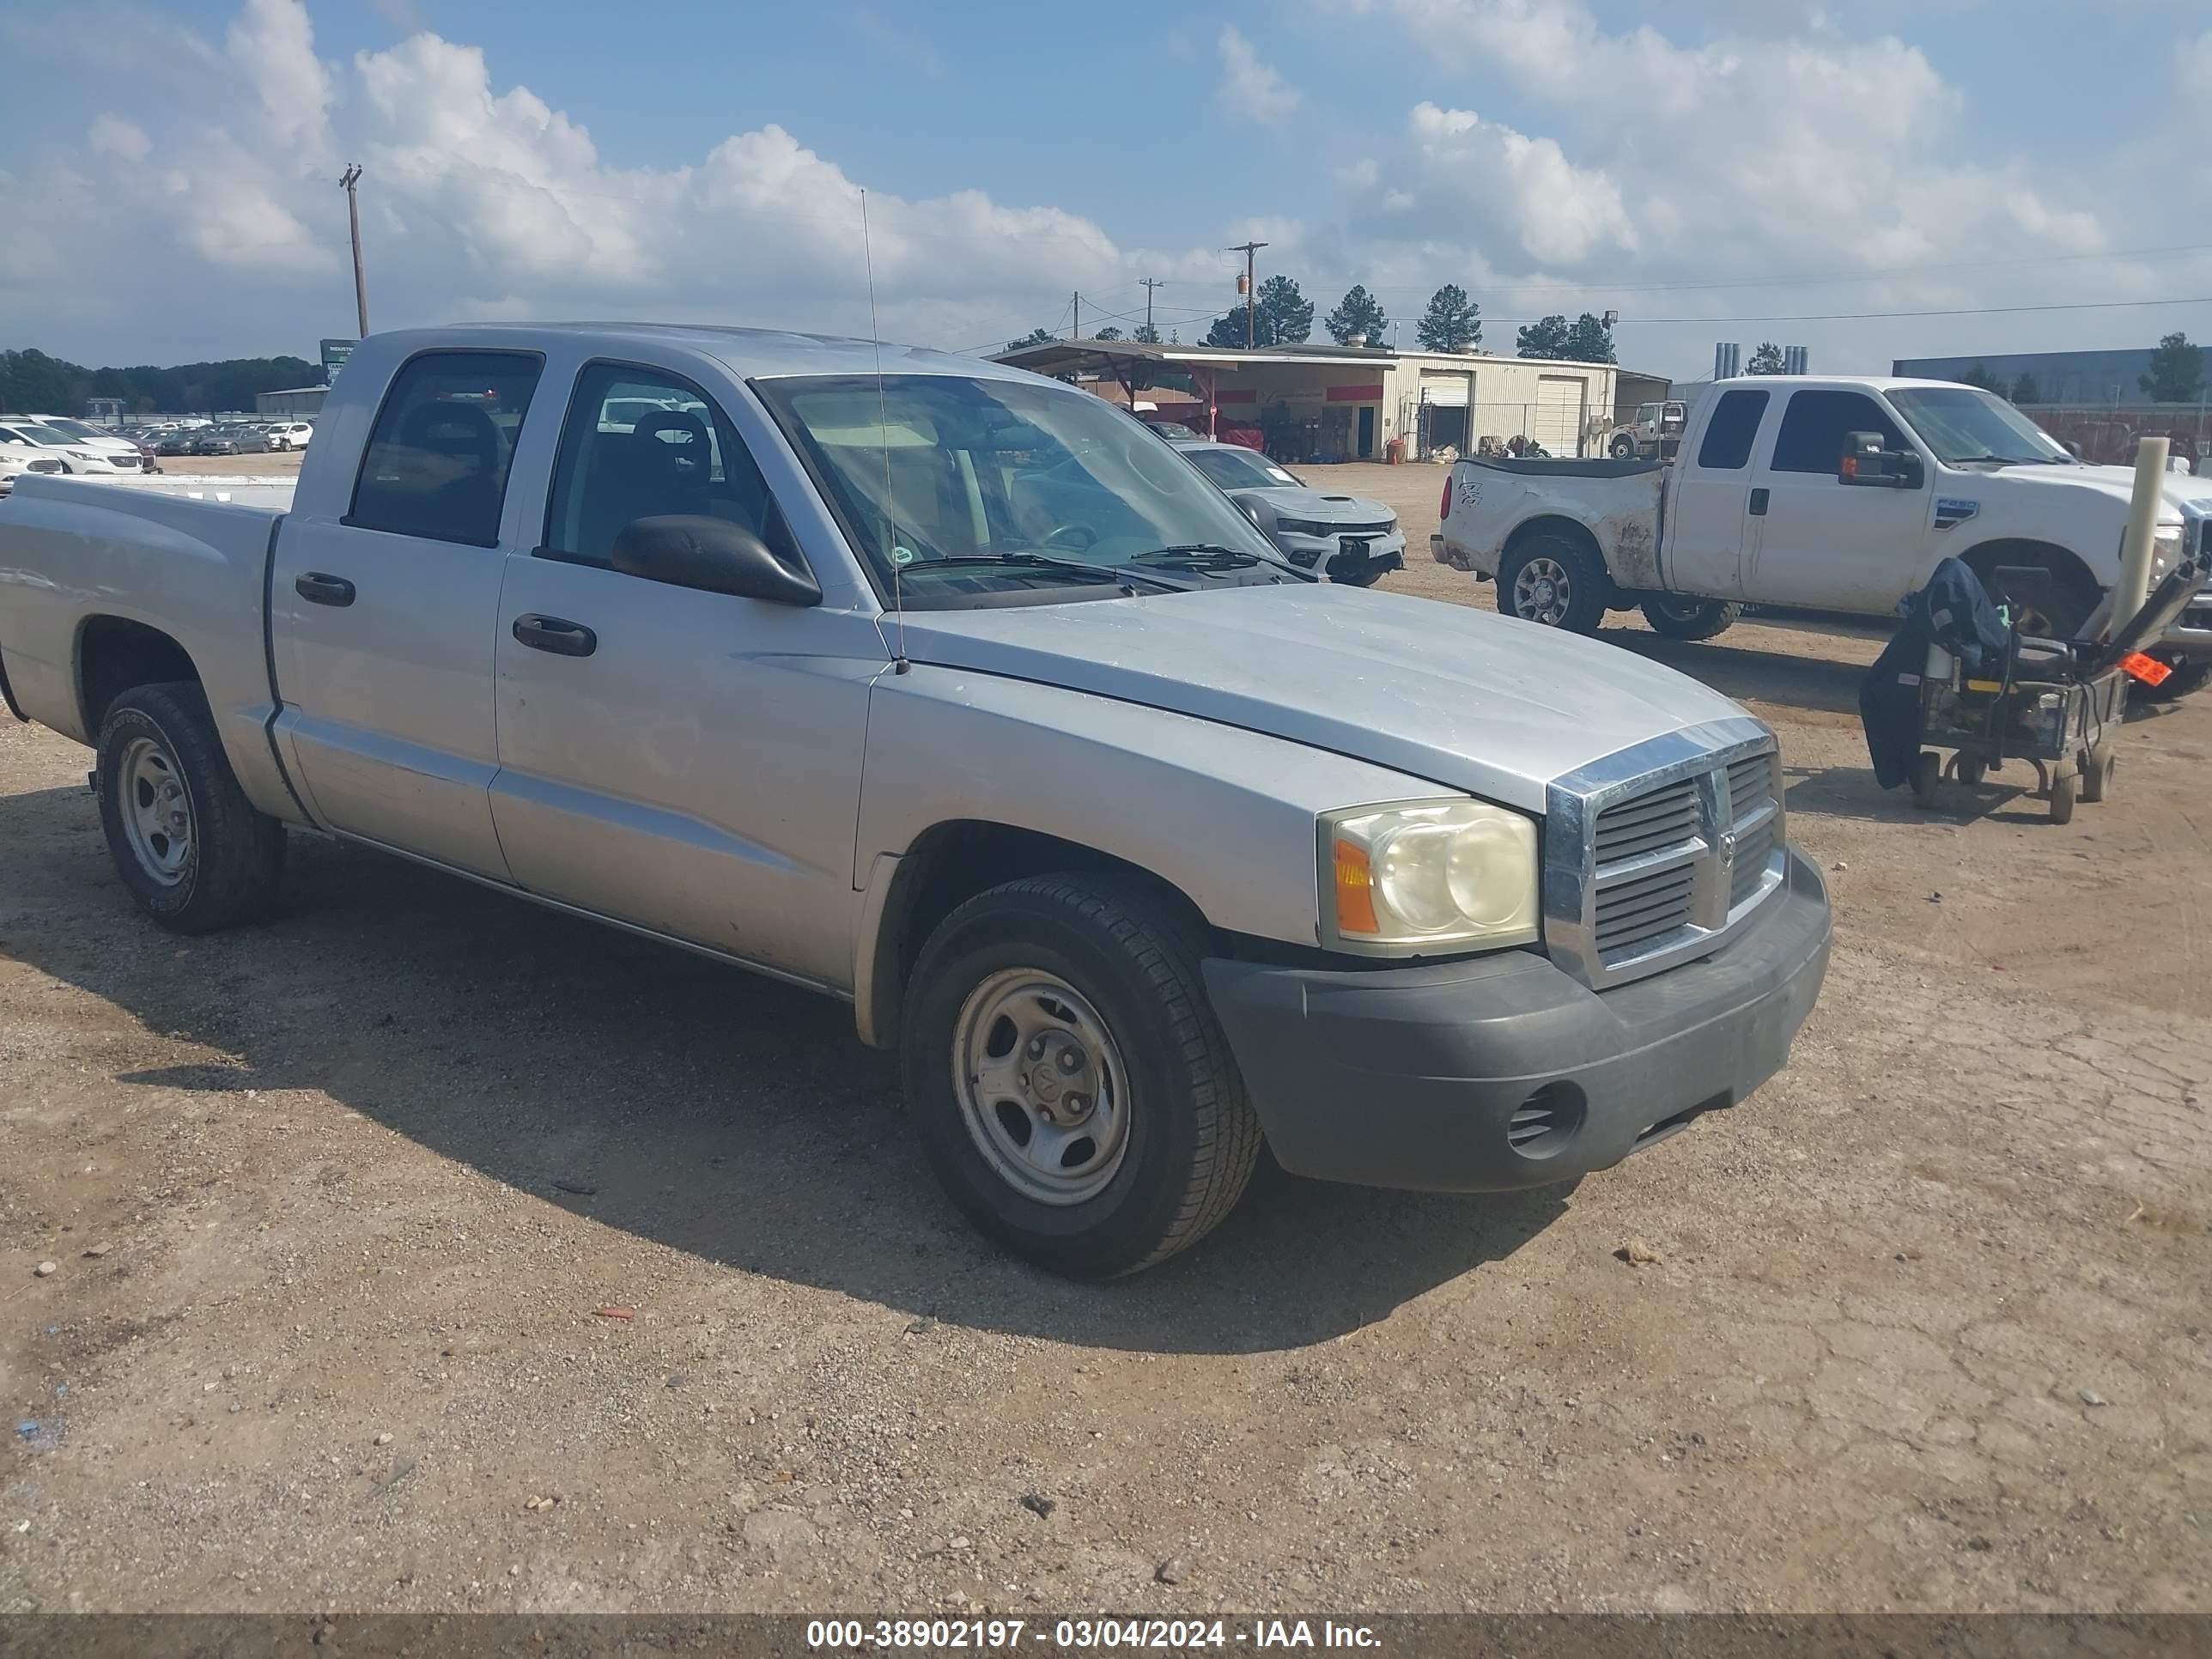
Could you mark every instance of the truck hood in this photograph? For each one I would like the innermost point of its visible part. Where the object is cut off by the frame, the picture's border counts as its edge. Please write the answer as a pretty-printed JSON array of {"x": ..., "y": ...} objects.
[
  {"x": 1464, "y": 698},
  {"x": 2118, "y": 482},
  {"x": 1300, "y": 501}
]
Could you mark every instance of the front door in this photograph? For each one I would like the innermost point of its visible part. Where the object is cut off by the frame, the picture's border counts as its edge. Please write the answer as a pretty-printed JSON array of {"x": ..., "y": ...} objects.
[
  {"x": 1823, "y": 541},
  {"x": 1712, "y": 526},
  {"x": 384, "y": 619},
  {"x": 688, "y": 762},
  {"x": 1366, "y": 447}
]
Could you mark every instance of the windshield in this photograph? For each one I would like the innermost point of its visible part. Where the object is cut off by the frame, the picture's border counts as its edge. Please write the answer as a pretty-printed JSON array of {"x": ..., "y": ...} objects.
[
  {"x": 45, "y": 434},
  {"x": 72, "y": 428},
  {"x": 1240, "y": 469},
  {"x": 929, "y": 468},
  {"x": 1961, "y": 424}
]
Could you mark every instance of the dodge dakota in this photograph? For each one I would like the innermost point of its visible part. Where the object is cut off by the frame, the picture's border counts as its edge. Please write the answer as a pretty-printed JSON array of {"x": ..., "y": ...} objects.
[{"x": 943, "y": 688}]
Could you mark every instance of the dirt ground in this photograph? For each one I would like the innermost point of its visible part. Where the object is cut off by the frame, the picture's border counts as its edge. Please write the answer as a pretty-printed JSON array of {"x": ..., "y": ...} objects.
[{"x": 333, "y": 1203}]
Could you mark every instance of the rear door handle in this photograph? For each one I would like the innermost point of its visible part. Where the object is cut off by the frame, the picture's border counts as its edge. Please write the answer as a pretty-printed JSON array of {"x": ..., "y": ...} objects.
[
  {"x": 317, "y": 589},
  {"x": 555, "y": 634},
  {"x": 1757, "y": 503}
]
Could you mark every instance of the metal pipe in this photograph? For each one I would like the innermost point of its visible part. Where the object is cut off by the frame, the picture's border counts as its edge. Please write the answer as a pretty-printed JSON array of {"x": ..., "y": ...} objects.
[{"x": 2134, "y": 585}]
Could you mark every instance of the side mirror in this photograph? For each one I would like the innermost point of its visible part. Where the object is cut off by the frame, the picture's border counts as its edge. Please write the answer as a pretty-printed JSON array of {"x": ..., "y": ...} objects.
[
  {"x": 713, "y": 555},
  {"x": 1866, "y": 462}
]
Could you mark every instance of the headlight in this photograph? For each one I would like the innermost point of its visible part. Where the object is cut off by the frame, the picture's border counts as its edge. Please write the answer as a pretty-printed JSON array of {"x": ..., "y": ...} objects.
[
  {"x": 2165, "y": 549},
  {"x": 1301, "y": 527},
  {"x": 1442, "y": 874}
]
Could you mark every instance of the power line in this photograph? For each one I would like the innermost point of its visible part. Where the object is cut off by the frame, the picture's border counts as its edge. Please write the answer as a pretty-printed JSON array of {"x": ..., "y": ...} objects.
[{"x": 1872, "y": 316}]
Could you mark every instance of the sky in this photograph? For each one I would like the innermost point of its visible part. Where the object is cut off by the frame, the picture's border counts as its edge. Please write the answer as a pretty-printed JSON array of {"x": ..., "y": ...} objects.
[{"x": 1740, "y": 170}]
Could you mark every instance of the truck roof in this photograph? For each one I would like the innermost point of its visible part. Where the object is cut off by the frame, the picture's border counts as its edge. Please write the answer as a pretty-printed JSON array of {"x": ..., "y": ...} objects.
[
  {"x": 750, "y": 353},
  {"x": 1826, "y": 382}
]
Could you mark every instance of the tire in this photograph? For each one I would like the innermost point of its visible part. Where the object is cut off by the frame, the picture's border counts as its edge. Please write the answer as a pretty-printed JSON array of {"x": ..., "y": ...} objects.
[
  {"x": 1970, "y": 769},
  {"x": 1622, "y": 448},
  {"x": 2097, "y": 776},
  {"x": 2077, "y": 593},
  {"x": 1927, "y": 773},
  {"x": 211, "y": 860},
  {"x": 1366, "y": 576},
  {"x": 2063, "y": 793},
  {"x": 2187, "y": 677},
  {"x": 1555, "y": 581},
  {"x": 1114, "y": 960},
  {"x": 1691, "y": 619}
]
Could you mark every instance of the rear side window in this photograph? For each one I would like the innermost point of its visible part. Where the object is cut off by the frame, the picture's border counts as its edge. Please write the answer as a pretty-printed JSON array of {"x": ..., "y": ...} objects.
[
  {"x": 1816, "y": 424},
  {"x": 1729, "y": 434},
  {"x": 438, "y": 456}
]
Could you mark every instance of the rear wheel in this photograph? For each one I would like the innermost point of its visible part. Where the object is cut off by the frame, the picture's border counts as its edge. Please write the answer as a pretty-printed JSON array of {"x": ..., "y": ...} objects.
[
  {"x": 1069, "y": 1082},
  {"x": 2063, "y": 793},
  {"x": 2187, "y": 677},
  {"x": 2097, "y": 774},
  {"x": 1556, "y": 581},
  {"x": 1690, "y": 619},
  {"x": 1927, "y": 773},
  {"x": 195, "y": 852}
]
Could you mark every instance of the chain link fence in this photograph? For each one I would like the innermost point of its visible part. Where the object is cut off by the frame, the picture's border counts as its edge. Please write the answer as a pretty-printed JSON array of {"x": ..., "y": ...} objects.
[{"x": 2106, "y": 433}]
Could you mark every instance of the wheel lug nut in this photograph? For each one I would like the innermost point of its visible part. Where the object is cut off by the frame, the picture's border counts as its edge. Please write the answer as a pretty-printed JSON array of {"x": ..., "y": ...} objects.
[
  {"x": 1070, "y": 1060},
  {"x": 1036, "y": 1046}
]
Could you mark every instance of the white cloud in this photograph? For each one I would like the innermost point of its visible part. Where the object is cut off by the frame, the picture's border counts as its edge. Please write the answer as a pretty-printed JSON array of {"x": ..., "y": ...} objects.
[
  {"x": 1525, "y": 187},
  {"x": 111, "y": 135},
  {"x": 1249, "y": 86}
]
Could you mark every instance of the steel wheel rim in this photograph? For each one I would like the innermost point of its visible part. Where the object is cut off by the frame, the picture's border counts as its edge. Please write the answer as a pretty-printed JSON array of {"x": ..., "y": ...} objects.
[
  {"x": 1542, "y": 591},
  {"x": 157, "y": 810},
  {"x": 1041, "y": 1086}
]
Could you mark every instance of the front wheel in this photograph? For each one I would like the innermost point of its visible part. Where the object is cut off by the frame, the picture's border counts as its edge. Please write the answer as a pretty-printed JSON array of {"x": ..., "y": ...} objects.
[
  {"x": 1690, "y": 619},
  {"x": 1556, "y": 581},
  {"x": 1624, "y": 448},
  {"x": 196, "y": 855},
  {"x": 1070, "y": 1084}
]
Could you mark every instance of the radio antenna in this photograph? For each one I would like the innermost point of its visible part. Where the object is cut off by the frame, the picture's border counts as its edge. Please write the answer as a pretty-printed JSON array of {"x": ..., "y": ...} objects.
[{"x": 899, "y": 664}]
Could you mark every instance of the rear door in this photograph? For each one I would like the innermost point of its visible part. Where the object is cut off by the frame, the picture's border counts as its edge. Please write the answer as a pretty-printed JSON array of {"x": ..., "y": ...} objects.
[
  {"x": 687, "y": 762},
  {"x": 1822, "y": 542},
  {"x": 384, "y": 619},
  {"x": 1711, "y": 524}
]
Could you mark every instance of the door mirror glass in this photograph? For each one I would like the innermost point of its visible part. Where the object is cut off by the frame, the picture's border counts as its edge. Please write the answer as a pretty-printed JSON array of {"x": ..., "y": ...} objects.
[
  {"x": 711, "y": 554},
  {"x": 1867, "y": 461}
]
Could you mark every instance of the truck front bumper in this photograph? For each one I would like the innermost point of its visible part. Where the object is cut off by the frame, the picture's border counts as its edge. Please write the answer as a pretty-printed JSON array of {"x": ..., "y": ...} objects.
[
  {"x": 1501, "y": 1072},
  {"x": 2191, "y": 636}
]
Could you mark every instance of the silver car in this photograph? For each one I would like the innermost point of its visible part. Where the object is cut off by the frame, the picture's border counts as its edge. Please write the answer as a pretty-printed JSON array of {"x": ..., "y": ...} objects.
[{"x": 1353, "y": 539}]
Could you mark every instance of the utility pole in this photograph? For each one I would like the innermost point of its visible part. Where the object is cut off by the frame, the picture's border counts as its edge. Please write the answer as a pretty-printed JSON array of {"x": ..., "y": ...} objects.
[
  {"x": 1251, "y": 285},
  {"x": 1149, "y": 282},
  {"x": 1075, "y": 328},
  {"x": 348, "y": 180}
]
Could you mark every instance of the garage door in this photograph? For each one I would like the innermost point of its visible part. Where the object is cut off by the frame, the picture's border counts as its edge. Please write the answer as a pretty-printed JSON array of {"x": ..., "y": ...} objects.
[
  {"x": 1447, "y": 388},
  {"x": 1559, "y": 411}
]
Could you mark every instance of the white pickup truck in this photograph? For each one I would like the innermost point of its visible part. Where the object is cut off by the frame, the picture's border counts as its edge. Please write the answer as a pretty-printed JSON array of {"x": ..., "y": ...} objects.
[
  {"x": 1830, "y": 494},
  {"x": 946, "y": 690}
]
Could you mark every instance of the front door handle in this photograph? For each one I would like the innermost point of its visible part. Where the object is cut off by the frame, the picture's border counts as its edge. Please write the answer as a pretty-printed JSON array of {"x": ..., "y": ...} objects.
[
  {"x": 555, "y": 634},
  {"x": 1759, "y": 503},
  {"x": 317, "y": 589}
]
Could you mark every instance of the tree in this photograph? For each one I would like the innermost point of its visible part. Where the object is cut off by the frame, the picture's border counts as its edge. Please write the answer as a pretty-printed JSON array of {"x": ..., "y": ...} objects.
[
  {"x": 1452, "y": 322},
  {"x": 1289, "y": 312},
  {"x": 1108, "y": 333},
  {"x": 30, "y": 379},
  {"x": 1358, "y": 312},
  {"x": 2025, "y": 391},
  {"x": 1590, "y": 340},
  {"x": 2176, "y": 371},
  {"x": 1980, "y": 377},
  {"x": 1767, "y": 359},
  {"x": 1228, "y": 330},
  {"x": 1545, "y": 337},
  {"x": 1145, "y": 334},
  {"x": 1035, "y": 336}
]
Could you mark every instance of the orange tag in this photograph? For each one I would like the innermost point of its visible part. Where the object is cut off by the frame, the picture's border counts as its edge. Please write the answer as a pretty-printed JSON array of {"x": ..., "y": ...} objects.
[{"x": 2150, "y": 670}]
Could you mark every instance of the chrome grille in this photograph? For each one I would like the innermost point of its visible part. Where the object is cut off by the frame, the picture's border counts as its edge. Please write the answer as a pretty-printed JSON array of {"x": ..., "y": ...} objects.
[
  {"x": 1382, "y": 529},
  {"x": 1653, "y": 855}
]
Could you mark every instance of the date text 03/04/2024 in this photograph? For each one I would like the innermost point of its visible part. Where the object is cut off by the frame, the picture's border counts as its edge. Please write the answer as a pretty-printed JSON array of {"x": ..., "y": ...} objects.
[{"x": 1009, "y": 1635}]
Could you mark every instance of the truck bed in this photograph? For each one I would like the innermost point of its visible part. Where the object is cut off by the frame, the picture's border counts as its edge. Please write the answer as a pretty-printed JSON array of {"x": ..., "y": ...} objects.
[{"x": 1619, "y": 502}]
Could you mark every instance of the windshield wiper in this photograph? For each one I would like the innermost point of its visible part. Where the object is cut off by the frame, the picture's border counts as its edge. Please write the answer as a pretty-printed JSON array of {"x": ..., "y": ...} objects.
[
  {"x": 1211, "y": 556},
  {"x": 1105, "y": 573}
]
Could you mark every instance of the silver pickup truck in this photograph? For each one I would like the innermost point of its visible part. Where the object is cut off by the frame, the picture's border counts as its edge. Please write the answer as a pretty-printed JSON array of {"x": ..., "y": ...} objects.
[{"x": 942, "y": 689}]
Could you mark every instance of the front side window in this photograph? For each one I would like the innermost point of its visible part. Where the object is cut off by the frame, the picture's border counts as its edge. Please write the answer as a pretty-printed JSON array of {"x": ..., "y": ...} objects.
[
  {"x": 1963, "y": 425},
  {"x": 438, "y": 456},
  {"x": 925, "y": 470},
  {"x": 643, "y": 444},
  {"x": 1728, "y": 435},
  {"x": 1816, "y": 424}
]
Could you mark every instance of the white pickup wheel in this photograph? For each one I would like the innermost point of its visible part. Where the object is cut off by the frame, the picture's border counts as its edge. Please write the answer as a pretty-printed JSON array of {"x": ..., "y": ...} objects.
[
  {"x": 1067, "y": 1078},
  {"x": 1556, "y": 581},
  {"x": 195, "y": 852}
]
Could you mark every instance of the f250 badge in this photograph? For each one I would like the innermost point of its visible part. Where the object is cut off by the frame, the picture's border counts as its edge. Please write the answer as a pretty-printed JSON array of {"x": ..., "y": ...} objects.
[{"x": 1951, "y": 514}]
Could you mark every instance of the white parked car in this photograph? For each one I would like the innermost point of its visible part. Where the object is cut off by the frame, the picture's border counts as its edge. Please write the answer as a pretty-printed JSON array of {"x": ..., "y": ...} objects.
[
  {"x": 1352, "y": 539},
  {"x": 73, "y": 453},
  {"x": 290, "y": 435},
  {"x": 121, "y": 451},
  {"x": 16, "y": 459}
]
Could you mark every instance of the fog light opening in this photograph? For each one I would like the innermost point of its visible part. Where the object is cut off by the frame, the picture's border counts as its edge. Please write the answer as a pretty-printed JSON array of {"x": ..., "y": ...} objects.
[{"x": 1547, "y": 1122}]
